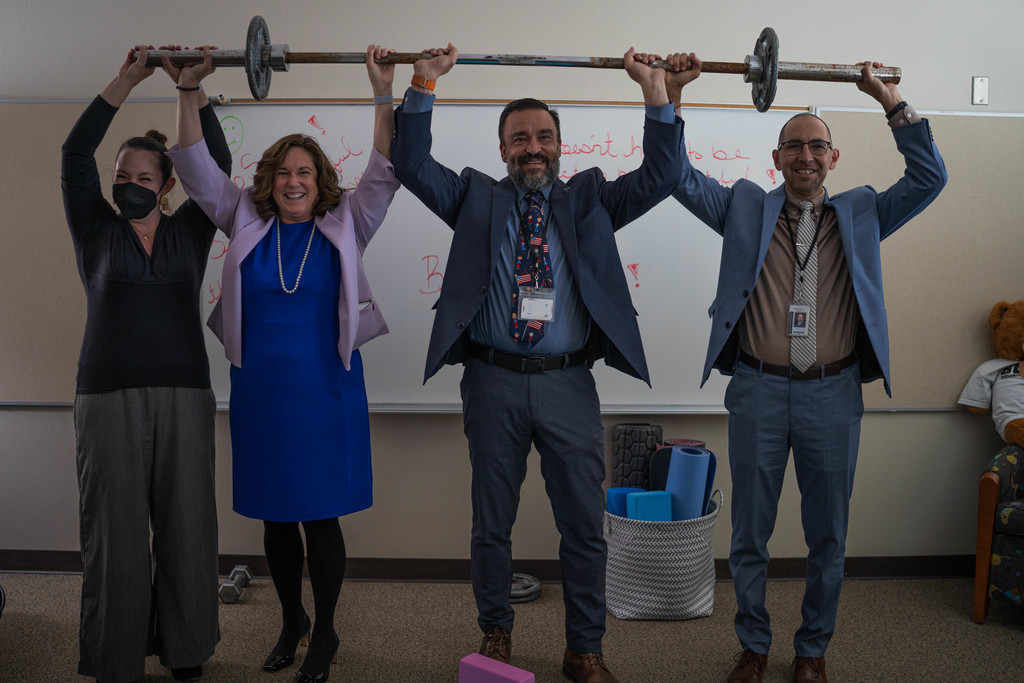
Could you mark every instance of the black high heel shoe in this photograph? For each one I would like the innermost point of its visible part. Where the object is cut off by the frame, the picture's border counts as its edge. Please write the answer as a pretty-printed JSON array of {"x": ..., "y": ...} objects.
[
  {"x": 303, "y": 677},
  {"x": 276, "y": 661}
]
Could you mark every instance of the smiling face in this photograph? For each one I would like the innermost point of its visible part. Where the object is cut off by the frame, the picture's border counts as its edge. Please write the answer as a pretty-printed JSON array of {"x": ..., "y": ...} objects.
[
  {"x": 233, "y": 132},
  {"x": 295, "y": 186},
  {"x": 530, "y": 148},
  {"x": 804, "y": 172},
  {"x": 141, "y": 167}
]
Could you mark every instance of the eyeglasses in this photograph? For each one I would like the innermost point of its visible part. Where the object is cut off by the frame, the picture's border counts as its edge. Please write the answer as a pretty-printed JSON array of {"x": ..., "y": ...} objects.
[{"x": 794, "y": 147}]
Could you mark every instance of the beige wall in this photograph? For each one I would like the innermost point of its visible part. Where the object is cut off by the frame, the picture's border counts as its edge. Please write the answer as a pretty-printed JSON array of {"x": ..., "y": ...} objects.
[{"x": 915, "y": 494}]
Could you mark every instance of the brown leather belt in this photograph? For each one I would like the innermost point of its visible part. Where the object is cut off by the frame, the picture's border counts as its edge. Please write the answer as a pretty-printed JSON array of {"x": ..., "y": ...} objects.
[
  {"x": 813, "y": 372},
  {"x": 524, "y": 363}
]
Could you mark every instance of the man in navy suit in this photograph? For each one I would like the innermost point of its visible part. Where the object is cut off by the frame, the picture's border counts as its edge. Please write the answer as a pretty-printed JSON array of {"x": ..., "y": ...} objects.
[
  {"x": 759, "y": 312},
  {"x": 519, "y": 387}
]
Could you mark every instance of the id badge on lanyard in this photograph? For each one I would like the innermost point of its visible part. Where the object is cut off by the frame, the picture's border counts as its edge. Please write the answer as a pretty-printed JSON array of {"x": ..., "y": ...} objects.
[
  {"x": 796, "y": 325},
  {"x": 537, "y": 303}
]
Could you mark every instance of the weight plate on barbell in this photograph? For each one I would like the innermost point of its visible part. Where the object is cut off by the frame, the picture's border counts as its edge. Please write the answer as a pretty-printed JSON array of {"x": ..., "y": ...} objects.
[
  {"x": 257, "y": 68},
  {"x": 767, "y": 50}
]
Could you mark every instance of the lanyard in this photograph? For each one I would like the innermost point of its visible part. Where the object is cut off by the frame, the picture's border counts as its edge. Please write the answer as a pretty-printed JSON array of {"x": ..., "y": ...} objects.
[
  {"x": 792, "y": 238},
  {"x": 542, "y": 231}
]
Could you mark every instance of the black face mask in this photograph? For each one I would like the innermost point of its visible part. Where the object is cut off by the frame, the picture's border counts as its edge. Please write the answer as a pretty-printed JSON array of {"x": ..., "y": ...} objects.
[{"x": 135, "y": 201}]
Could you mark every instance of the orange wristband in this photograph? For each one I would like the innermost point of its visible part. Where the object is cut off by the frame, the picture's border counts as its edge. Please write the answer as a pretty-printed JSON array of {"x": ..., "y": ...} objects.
[{"x": 423, "y": 82}]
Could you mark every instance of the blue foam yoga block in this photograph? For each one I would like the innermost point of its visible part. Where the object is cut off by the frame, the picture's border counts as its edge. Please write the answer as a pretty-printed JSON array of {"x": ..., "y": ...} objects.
[
  {"x": 649, "y": 506},
  {"x": 616, "y": 504}
]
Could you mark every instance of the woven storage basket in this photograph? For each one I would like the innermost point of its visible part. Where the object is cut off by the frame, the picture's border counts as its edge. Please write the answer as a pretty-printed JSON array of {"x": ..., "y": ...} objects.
[{"x": 661, "y": 570}]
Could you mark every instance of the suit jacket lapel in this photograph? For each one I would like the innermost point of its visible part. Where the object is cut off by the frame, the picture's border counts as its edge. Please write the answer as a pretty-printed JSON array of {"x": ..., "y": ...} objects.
[
  {"x": 773, "y": 204},
  {"x": 561, "y": 213},
  {"x": 502, "y": 198},
  {"x": 844, "y": 221}
]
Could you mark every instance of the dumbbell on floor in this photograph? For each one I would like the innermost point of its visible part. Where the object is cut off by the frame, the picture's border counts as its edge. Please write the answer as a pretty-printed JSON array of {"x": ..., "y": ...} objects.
[{"x": 232, "y": 589}]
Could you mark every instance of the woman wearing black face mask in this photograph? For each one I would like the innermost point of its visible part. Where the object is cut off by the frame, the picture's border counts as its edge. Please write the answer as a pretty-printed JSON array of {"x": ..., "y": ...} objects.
[{"x": 144, "y": 410}]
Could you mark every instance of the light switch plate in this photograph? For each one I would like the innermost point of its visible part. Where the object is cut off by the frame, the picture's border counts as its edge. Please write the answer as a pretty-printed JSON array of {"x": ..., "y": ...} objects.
[{"x": 979, "y": 90}]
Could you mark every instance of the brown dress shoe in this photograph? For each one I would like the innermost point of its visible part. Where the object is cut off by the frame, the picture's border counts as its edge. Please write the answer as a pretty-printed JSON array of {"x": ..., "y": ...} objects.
[
  {"x": 586, "y": 668},
  {"x": 749, "y": 668},
  {"x": 809, "y": 669},
  {"x": 497, "y": 644}
]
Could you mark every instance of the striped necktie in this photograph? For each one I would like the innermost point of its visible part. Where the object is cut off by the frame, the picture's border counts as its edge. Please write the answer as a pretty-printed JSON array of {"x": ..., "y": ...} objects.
[{"x": 803, "y": 350}]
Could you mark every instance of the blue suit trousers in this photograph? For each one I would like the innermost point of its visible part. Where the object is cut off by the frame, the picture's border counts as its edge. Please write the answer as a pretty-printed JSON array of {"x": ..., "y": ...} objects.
[
  {"x": 558, "y": 411},
  {"x": 820, "y": 421}
]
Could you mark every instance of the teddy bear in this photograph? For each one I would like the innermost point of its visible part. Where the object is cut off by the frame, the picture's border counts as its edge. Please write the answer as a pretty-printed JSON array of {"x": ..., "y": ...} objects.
[{"x": 997, "y": 383}]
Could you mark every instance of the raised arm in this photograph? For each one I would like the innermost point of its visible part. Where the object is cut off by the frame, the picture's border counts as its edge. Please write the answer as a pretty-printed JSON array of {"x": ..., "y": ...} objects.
[
  {"x": 382, "y": 77},
  {"x": 210, "y": 127},
  {"x": 633, "y": 194},
  {"x": 80, "y": 180},
  {"x": 651, "y": 80},
  {"x": 705, "y": 198},
  {"x": 886, "y": 94},
  {"x": 132, "y": 72},
  {"x": 190, "y": 97},
  {"x": 685, "y": 69},
  {"x": 438, "y": 187},
  {"x": 925, "y": 173}
]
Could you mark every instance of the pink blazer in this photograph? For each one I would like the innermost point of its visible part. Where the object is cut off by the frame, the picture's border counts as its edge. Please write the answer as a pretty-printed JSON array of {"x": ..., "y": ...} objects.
[{"x": 349, "y": 227}]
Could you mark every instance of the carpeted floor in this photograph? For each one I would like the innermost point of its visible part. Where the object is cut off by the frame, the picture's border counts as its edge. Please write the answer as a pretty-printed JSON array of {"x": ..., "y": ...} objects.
[{"x": 888, "y": 630}]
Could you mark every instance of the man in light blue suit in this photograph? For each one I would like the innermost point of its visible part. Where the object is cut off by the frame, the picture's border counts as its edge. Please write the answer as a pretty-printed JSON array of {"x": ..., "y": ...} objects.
[{"x": 765, "y": 314}]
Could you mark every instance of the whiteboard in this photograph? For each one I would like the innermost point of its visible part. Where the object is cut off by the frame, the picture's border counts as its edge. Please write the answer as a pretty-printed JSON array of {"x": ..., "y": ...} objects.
[{"x": 669, "y": 258}]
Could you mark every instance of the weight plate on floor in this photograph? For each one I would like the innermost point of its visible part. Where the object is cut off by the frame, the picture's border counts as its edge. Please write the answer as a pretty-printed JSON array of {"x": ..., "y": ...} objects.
[{"x": 524, "y": 588}]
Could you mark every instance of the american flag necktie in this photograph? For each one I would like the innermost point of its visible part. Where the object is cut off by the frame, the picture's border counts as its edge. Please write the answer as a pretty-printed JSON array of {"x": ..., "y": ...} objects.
[{"x": 532, "y": 267}]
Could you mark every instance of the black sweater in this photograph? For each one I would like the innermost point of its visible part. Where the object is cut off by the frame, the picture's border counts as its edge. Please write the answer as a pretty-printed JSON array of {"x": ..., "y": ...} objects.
[{"x": 143, "y": 327}]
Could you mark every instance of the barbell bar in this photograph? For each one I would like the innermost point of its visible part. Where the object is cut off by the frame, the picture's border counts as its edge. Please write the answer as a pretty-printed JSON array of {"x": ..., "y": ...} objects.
[{"x": 761, "y": 69}]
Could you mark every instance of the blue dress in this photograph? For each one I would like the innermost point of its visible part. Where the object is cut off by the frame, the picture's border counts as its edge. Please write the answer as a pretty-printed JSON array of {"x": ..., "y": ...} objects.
[{"x": 300, "y": 432}]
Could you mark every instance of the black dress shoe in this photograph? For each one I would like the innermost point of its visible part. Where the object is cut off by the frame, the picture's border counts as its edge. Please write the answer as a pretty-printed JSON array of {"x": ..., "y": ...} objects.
[
  {"x": 280, "y": 657},
  {"x": 187, "y": 673},
  {"x": 303, "y": 677}
]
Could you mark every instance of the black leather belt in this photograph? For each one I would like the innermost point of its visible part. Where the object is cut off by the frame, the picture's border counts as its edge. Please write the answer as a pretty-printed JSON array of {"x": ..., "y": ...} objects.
[
  {"x": 527, "y": 364},
  {"x": 813, "y": 372}
]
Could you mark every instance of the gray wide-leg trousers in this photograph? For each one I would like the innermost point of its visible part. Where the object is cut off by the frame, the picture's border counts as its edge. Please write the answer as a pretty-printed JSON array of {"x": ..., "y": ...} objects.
[{"x": 148, "y": 525}]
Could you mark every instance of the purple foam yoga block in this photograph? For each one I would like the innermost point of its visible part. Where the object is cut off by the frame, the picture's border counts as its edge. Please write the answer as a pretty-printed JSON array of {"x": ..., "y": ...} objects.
[{"x": 476, "y": 668}]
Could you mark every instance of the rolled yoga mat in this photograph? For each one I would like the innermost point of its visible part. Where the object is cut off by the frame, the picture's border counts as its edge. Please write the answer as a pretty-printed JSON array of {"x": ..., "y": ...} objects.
[{"x": 691, "y": 477}]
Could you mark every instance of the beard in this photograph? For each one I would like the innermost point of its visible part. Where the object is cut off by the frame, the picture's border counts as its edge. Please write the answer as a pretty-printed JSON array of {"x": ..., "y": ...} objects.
[{"x": 532, "y": 182}]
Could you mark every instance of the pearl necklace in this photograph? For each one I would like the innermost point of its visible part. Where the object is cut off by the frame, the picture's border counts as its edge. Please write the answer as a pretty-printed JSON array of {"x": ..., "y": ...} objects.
[{"x": 280, "y": 270}]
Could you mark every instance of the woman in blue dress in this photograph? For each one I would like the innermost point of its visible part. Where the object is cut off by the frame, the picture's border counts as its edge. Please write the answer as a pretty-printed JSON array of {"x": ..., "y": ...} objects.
[{"x": 295, "y": 307}]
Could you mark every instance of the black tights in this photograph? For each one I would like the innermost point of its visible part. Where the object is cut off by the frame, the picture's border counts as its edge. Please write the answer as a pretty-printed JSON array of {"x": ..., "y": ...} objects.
[{"x": 325, "y": 547}]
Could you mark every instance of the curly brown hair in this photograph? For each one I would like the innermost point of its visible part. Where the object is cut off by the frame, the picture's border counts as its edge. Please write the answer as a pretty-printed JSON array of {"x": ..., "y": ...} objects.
[{"x": 326, "y": 176}]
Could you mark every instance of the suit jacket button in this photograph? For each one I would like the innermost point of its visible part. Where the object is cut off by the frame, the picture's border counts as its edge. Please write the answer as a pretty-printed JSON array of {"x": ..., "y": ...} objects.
[
  {"x": 483, "y": 290},
  {"x": 460, "y": 325},
  {"x": 746, "y": 293},
  {"x": 728, "y": 325}
]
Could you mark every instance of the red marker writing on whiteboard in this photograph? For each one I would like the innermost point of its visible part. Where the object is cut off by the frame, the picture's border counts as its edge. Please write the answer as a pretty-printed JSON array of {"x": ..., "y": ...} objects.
[
  {"x": 634, "y": 268},
  {"x": 316, "y": 124}
]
